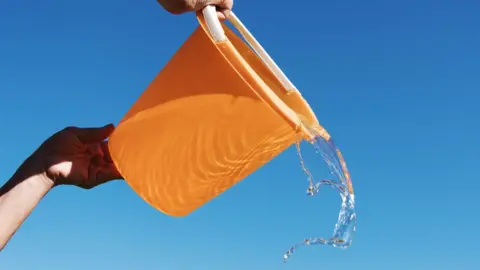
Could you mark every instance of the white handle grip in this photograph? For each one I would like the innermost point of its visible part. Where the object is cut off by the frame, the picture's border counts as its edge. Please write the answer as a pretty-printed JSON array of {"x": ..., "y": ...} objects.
[
  {"x": 213, "y": 23},
  {"x": 216, "y": 31}
]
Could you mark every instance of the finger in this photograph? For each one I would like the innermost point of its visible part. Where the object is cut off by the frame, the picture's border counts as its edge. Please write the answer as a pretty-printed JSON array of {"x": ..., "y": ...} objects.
[
  {"x": 95, "y": 150},
  {"x": 100, "y": 155},
  {"x": 223, "y": 14},
  {"x": 106, "y": 152},
  {"x": 92, "y": 135},
  {"x": 223, "y": 7},
  {"x": 220, "y": 4},
  {"x": 100, "y": 174},
  {"x": 108, "y": 173}
]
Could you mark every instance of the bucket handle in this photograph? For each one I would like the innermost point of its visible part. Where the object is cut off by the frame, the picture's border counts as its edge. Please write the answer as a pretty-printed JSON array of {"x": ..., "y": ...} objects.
[{"x": 218, "y": 34}]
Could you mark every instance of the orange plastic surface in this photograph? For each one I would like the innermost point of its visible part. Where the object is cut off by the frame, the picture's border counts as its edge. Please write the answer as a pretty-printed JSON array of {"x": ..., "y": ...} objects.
[{"x": 202, "y": 125}]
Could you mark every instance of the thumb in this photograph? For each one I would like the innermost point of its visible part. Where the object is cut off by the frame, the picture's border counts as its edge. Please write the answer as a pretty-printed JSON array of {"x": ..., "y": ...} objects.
[
  {"x": 92, "y": 135},
  {"x": 223, "y": 14}
]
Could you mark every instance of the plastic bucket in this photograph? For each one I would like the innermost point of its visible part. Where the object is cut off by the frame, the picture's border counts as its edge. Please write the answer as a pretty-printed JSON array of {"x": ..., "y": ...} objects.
[{"x": 217, "y": 111}]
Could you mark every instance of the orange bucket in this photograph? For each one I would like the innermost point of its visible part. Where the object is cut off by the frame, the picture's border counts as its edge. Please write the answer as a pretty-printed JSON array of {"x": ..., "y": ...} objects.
[{"x": 218, "y": 111}]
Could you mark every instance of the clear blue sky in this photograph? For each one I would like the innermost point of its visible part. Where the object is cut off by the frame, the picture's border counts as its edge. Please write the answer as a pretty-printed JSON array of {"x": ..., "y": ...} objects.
[{"x": 397, "y": 84}]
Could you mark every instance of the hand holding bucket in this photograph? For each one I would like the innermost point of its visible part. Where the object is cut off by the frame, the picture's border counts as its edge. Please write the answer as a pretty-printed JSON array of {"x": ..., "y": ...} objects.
[
  {"x": 223, "y": 7},
  {"x": 216, "y": 112}
]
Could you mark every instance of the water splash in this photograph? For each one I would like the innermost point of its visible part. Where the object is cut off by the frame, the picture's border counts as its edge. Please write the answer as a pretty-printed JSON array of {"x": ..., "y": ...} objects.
[{"x": 345, "y": 226}]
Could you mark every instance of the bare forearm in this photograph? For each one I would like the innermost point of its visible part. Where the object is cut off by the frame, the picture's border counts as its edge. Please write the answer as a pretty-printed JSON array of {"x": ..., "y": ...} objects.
[{"x": 18, "y": 198}]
